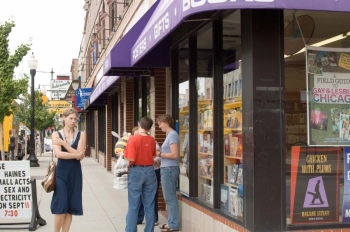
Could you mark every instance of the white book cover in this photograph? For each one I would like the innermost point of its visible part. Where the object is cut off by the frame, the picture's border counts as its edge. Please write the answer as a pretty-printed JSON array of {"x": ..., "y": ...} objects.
[
  {"x": 201, "y": 142},
  {"x": 204, "y": 191},
  {"x": 240, "y": 175},
  {"x": 240, "y": 206},
  {"x": 233, "y": 202},
  {"x": 228, "y": 173},
  {"x": 209, "y": 148},
  {"x": 185, "y": 144},
  {"x": 234, "y": 174}
]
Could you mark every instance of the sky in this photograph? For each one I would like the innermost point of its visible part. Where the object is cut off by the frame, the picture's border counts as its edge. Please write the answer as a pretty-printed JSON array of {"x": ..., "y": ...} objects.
[{"x": 56, "y": 29}]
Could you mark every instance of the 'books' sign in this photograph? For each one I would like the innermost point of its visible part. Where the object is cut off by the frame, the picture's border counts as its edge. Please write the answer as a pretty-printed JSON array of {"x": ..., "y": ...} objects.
[{"x": 15, "y": 190}]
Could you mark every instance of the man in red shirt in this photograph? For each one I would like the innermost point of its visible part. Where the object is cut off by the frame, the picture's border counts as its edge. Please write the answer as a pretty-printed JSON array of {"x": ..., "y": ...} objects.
[{"x": 142, "y": 181}]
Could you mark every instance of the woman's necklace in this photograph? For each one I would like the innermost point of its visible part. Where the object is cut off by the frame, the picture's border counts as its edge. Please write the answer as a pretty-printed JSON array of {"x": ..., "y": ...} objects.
[
  {"x": 65, "y": 138},
  {"x": 168, "y": 132}
]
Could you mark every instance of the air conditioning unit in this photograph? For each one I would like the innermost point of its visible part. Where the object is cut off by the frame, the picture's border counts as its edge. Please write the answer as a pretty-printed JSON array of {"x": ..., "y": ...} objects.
[{"x": 99, "y": 48}]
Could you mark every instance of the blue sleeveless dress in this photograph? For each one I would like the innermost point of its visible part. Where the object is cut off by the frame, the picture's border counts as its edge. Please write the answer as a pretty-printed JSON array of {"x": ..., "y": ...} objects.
[{"x": 67, "y": 197}]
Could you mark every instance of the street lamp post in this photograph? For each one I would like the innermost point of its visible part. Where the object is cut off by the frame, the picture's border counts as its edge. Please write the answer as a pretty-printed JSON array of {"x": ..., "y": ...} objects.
[{"x": 33, "y": 64}]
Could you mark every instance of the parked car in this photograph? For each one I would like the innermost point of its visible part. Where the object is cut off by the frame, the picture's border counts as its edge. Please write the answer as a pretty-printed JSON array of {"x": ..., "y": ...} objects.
[{"x": 47, "y": 145}]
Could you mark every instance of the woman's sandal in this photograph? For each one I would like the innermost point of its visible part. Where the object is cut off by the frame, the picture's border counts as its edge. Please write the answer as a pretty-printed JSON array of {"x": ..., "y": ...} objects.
[
  {"x": 164, "y": 226},
  {"x": 168, "y": 230}
]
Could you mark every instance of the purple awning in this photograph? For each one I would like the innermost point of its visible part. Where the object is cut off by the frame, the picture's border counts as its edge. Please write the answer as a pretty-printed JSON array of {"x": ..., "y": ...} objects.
[
  {"x": 104, "y": 83},
  {"x": 170, "y": 13},
  {"x": 120, "y": 57}
]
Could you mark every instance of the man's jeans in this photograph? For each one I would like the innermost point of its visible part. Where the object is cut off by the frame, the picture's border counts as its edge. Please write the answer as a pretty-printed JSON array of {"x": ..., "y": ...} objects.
[
  {"x": 141, "y": 213},
  {"x": 169, "y": 179},
  {"x": 142, "y": 184}
]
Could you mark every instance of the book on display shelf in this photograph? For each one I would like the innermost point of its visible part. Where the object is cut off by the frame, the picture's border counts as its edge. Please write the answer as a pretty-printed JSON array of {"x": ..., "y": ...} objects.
[
  {"x": 240, "y": 206},
  {"x": 204, "y": 191},
  {"x": 201, "y": 121},
  {"x": 184, "y": 161},
  {"x": 224, "y": 197},
  {"x": 185, "y": 144},
  {"x": 186, "y": 121},
  {"x": 233, "y": 201},
  {"x": 237, "y": 143},
  {"x": 205, "y": 142},
  {"x": 210, "y": 144},
  {"x": 228, "y": 144},
  {"x": 209, "y": 196},
  {"x": 234, "y": 174},
  {"x": 240, "y": 174},
  {"x": 203, "y": 168},
  {"x": 201, "y": 142},
  {"x": 229, "y": 169}
]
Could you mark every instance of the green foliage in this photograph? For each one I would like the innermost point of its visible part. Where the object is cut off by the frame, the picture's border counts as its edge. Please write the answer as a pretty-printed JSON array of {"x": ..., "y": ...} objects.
[
  {"x": 42, "y": 117},
  {"x": 10, "y": 88}
]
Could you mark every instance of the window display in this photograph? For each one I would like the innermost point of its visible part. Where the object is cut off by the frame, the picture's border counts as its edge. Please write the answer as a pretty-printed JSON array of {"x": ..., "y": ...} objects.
[
  {"x": 184, "y": 115},
  {"x": 232, "y": 189},
  {"x": 315, "y": 177},
  {"x": 205, "y": 116}
]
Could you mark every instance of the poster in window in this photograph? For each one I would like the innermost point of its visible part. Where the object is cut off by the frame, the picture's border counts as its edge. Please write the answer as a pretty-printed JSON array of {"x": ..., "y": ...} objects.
[
  {"x": 314, "y": 185},
  {"x": 346, "y": 188},
  {"x": 328, "y": 98}
]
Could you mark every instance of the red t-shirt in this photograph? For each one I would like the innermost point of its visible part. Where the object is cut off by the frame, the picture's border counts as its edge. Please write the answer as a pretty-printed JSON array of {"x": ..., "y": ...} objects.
[{"x": 141, "y": 149}]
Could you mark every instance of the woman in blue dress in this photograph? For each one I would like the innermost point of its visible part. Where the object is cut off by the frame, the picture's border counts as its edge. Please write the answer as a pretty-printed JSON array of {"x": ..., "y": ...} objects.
[{"x": 69, "y": 147}]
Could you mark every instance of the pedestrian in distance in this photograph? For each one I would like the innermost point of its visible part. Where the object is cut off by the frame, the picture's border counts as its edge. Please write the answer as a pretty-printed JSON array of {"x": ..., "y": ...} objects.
[
  {"x": 170, "y": 171},
  {"x": 69, "y": 147},
  {"x": 142, "y": 181}
]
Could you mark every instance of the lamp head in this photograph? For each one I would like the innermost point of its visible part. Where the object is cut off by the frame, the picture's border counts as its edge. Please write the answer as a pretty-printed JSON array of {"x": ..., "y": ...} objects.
[{"x": 32, "y": 62}]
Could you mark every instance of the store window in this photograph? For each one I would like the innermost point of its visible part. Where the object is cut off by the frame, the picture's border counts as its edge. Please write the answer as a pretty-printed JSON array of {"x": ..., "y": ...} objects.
[
  {"x": 184, "y": 115},
  {"x": 144, "y": 96},
  {"x": 204, "y": 84},
  {"x": 317, "y": 113},
  {"x": 102, "y": 129},
  {"x": 115, "y": 119},
  {"x": 91, "y": 129},
  {"x": 231, "y": 191}
]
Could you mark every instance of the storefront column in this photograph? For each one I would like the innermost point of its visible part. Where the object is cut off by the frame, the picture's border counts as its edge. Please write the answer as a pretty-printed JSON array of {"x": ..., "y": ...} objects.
[
  {"x": 129, "y": 106},
  {"x": 263, "y": 119},
  {"x": 158, "y": 96},
  {"x": 136, "y": 101},
  {"x": 108, "y": 126},
  {"x": 122, "y": 106},
  {"x": 96, "y": 134}
]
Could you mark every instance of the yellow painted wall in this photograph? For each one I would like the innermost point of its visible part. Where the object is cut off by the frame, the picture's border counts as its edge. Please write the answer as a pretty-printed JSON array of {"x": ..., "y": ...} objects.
[{"x": 9, "y": 125}]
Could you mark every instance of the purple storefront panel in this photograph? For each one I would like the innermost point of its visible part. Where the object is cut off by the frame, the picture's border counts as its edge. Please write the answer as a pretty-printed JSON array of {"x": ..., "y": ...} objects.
[
  {"x": 170, "y": 13},
  {"x": 105, "y": 82},
  {"x": 120, "y": 57}
]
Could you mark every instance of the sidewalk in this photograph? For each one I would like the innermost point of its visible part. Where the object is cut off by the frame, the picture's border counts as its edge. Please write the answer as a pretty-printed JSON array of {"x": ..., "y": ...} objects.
[{"x": 104, "y": 208}]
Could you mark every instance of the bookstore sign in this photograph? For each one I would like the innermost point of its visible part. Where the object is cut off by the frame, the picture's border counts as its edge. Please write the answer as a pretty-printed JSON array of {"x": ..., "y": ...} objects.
[
  {"x": 328, "y": 81},
  {"x": 314, "y": 185},
  {"x": 15, "y": 190}
]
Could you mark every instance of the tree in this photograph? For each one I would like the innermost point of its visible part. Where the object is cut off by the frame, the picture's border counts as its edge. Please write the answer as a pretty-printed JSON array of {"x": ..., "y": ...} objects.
[
  {"x": 10, "y": 88},
  {"x": 42, "y": 117}
]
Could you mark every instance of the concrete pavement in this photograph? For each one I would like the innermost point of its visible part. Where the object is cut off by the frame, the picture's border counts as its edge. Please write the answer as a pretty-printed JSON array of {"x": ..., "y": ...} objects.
[{"x": 104, "y": 208}]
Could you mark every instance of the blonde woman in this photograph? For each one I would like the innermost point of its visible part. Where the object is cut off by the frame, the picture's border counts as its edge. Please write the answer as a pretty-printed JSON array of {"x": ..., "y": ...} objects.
[{"x": 69, "y": 147}]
